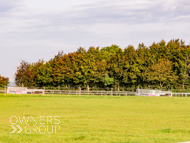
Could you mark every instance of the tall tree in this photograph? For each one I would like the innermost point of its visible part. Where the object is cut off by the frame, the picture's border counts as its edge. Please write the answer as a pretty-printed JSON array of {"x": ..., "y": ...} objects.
[
  {"x": 161, "y": 73},
  {"x": 25, "y": 75},
  {"x": 131, "y": 69}
]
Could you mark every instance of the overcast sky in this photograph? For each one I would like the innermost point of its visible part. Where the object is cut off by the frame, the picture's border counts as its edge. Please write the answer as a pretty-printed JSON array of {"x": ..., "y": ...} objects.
[{"x": 38, "y": 29}]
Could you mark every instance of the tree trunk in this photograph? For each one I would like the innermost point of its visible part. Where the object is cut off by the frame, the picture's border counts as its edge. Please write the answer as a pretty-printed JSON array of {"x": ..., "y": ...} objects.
[
  {"x": 88, "y": 88},
  {"x": 160, "y": 85}
]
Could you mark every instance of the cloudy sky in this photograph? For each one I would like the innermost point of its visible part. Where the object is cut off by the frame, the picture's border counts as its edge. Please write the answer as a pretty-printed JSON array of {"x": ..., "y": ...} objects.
[{"x": 38, "y": 29}]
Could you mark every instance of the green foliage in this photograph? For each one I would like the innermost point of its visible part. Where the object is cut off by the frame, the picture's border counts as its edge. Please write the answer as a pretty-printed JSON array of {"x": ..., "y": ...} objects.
[
  {"x": 161, "y": 65},
  {"x": 110, "y": 49},
  {"x": 107, "y": 80},
  {"x": 161, "y": 73}
]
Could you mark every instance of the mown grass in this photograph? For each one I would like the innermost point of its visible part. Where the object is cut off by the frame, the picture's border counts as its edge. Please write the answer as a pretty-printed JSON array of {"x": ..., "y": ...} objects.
[{"x": 100, "y": 118}]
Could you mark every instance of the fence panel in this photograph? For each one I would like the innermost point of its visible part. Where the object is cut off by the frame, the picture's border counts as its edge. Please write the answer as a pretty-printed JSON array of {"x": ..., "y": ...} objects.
[
  {"x": 2, "y": 91},
  {"x": 86, "y": 92}
]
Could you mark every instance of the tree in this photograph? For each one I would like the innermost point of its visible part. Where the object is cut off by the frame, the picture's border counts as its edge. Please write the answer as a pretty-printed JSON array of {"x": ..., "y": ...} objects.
[
  {"x": 43, "y": 74},
  {"x": 159, "y": 64},
  {"x": 161, "y": 73},
  {"x": 130, "y": 67},
  {"x": 3, "y": 81},
  {"x": 143, "y": 61},
  {"x": 25, "y": 75},
  {"x": 116, "y": 64}
]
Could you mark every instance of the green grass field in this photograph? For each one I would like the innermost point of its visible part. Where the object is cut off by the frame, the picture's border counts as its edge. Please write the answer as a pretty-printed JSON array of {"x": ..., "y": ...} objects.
[{"x": 100, "y": 119}]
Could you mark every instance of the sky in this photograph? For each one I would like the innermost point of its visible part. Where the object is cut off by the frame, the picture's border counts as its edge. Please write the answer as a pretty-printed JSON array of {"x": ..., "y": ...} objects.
[{"x": 38, "y": 29}]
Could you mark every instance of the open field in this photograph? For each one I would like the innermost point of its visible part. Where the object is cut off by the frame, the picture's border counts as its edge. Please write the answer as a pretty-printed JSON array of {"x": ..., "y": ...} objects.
[{"x": 101, "y": 119}]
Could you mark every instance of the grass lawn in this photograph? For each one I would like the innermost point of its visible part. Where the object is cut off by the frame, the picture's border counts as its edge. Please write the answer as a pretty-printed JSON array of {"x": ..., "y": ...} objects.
[{"x": 86, "y": 119}]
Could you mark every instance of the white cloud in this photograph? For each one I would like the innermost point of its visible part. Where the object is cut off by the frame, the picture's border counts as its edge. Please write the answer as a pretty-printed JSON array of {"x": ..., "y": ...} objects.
[
  {"x": 51, "y": 6},
  {"x": 35, "y": 29}
]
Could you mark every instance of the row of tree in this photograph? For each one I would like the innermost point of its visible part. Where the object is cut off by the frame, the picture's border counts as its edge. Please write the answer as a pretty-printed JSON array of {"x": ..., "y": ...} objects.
[
  {"x": 161, "y": 65},
  {"x": 3, "y": 81}
]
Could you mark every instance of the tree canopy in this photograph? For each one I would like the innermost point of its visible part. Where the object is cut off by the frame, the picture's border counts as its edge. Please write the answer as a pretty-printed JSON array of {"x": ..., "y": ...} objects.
[
  {"x": 161, "y": 65},
  {"x": 3, "y": 81}
]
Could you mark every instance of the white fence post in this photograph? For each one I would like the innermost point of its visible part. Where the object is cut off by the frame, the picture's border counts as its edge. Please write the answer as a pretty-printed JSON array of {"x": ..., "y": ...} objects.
[
  {"x": 79, "y": 91},
  {"x": 44, "y": 91}
]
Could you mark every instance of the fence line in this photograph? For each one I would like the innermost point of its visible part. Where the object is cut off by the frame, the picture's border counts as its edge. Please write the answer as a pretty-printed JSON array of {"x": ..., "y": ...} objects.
[
  {"x": 182, "y": 94},
  {"x": 95, "y": 92},
  {"x": 80, "y": 91},
  {"x": 2, "y": 91},
  {"x": 88, "y": 89},
  {"x": 107, "y": 89}
]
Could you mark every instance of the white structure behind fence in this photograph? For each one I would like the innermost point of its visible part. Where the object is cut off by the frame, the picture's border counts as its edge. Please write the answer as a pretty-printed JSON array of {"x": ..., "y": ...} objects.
[
  {"x": 24, "y": 90},
  {"x": 148, "y": 92}
]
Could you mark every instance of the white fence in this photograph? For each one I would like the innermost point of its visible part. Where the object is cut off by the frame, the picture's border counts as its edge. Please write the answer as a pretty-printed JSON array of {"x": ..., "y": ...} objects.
[
  {"x": 180, "y": 94},
  {"x": 2, "y": 91},
  {"x": 139, "y": 92},
  {"x": 25, "y": 90},
  {"x": 85, "y": 92}
]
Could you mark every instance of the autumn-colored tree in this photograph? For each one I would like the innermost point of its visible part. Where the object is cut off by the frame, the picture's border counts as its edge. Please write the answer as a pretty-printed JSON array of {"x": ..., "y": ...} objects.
[
  {"x": 160, "y": 65},
  {"x": 25, "y": 75},
  {"x": 4, "y": 81},
  {"x": 161, "y": 73}
]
